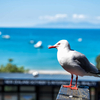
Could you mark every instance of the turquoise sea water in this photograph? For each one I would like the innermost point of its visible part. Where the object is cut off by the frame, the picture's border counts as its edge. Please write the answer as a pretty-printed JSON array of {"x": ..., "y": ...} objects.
[{"x": 24, "y": 53}]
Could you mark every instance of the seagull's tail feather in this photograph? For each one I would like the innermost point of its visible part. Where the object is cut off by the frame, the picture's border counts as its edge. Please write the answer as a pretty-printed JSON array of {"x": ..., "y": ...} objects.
[
  {"x": 94, "y": 74},
  {"x": 98, "y": 74},
  {"x": 98, "y": 71}
]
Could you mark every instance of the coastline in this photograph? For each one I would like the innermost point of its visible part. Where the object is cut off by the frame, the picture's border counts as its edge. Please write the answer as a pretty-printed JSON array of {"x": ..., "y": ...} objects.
[{"x": 49, "y": 72}]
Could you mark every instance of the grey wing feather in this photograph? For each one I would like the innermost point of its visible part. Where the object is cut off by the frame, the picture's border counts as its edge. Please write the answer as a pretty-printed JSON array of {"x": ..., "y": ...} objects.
[{"x": 83, "y": 62}]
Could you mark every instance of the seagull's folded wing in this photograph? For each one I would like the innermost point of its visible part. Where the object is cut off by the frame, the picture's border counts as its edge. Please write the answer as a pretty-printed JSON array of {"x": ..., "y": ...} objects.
[{"x": 83, "y": 62}]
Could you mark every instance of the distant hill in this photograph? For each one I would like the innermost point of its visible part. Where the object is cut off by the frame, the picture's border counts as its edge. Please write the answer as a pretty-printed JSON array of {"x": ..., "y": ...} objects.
[{"x": 68, "y": 25}]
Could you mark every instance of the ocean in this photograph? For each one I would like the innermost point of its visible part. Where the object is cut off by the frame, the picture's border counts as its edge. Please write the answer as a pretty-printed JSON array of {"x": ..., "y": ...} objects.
[{"x": 23, "y": 53}]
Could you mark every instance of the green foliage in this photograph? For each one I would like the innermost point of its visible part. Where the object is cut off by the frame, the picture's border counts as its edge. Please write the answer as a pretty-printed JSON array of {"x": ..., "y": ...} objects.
[
  {"x": 98, "y": 62},
  {"x": 12, "y": 68},
  {"x": 10, "y": 60}
]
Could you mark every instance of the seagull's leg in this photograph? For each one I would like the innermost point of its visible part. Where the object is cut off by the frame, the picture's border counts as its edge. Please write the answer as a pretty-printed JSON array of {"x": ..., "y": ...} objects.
[
  {"x": 69, "y": 86},
  {"x": 75, "y": 87}
]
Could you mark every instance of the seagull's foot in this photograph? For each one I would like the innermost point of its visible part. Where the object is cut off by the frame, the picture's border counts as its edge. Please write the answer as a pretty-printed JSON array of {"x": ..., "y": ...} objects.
[
  {"x": 74, "y": 88},
  {"x": 67, "y": 86}
]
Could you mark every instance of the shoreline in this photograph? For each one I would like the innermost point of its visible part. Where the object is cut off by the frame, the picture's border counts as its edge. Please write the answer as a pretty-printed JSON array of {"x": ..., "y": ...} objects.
[{"x": 48, "y": 72}]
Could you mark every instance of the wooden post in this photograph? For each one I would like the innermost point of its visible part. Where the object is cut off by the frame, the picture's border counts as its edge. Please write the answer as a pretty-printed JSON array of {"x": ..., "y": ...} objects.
[{"x": 67, "y": 94}]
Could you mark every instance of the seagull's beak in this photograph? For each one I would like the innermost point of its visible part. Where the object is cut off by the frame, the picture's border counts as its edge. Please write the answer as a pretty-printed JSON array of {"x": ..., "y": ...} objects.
[{"x": 52, "y": 47}]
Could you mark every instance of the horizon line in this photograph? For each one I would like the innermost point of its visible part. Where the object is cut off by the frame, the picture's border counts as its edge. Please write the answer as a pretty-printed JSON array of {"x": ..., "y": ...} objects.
[{"x": 48, "y": 28}]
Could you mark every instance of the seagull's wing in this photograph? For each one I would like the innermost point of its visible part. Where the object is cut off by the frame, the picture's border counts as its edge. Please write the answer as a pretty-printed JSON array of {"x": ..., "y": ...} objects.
[{"x": 83, "y": 62}]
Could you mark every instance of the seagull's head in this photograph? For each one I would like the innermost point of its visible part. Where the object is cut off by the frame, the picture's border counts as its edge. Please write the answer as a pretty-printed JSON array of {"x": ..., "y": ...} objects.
[{"x": 61, "y": 45}]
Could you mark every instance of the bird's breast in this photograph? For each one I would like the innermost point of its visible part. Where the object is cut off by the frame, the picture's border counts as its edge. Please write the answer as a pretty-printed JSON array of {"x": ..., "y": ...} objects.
[{"x": 64, "y": 60}]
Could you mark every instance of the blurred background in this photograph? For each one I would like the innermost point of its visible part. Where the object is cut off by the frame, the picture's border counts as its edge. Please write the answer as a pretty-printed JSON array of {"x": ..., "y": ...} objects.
[{"x": 29, "y": 27}]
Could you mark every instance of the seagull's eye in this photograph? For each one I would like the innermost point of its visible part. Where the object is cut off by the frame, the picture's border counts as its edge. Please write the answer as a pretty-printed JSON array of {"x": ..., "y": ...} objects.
[{"x": 58, "y": 44}]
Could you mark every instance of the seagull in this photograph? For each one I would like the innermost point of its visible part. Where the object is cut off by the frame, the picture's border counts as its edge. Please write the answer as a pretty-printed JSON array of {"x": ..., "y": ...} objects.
[{"x": 74, "y": 62}]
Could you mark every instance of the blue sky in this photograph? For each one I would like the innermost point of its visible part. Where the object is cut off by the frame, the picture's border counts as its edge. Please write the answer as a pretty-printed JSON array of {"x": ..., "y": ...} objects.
[{"x": 50, "y": 13}]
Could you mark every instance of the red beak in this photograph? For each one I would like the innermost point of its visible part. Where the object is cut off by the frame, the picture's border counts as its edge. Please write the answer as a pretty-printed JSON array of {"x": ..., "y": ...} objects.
[{"x": 52, "y": 47}]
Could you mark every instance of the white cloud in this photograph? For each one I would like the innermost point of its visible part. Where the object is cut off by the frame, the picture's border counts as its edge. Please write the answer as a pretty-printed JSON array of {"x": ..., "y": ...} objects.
[
  {"x": 98, "y": 17},
  {"x": 81, "y": 16},
  {"x": 52, "y": 18}
]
